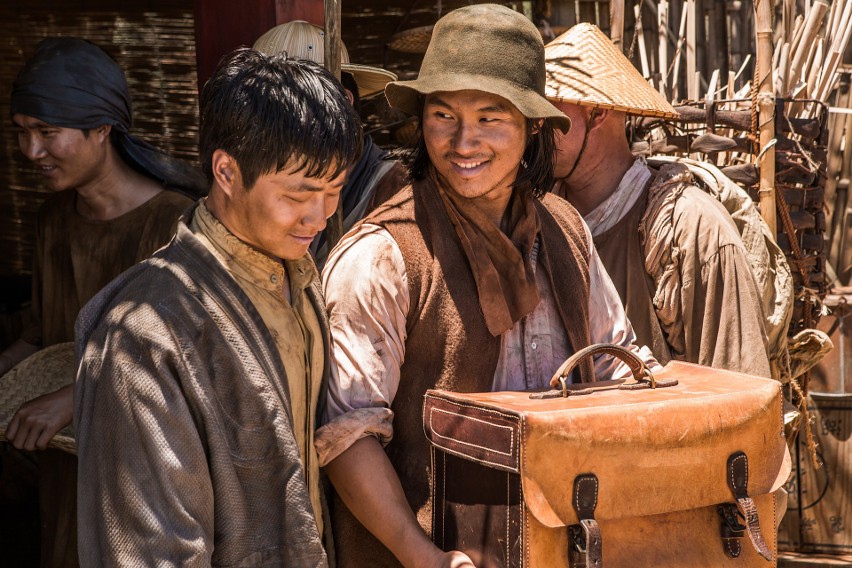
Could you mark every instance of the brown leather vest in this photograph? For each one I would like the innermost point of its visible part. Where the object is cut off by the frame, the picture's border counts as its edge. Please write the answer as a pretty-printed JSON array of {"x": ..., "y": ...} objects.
[{"x": 448, "y": 344}]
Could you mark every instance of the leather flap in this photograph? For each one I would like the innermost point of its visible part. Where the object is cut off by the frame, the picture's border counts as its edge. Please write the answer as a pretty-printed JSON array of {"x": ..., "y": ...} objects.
[
  {"x": 653, "y": 451},
  {"x": 483, "y": 435}
]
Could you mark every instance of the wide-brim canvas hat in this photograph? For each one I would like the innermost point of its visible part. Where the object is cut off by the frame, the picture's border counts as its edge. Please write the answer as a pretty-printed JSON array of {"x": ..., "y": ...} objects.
[
  {"x": 485, "y": 47},
  {"x": 585, "y": 68},
  {"x": 43, "y": 372},
  {"x": 304, "y": 40}
]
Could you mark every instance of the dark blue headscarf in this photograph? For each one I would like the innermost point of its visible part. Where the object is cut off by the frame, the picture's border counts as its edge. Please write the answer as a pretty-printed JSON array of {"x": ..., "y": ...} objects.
[{"x": 72, "y": 83}]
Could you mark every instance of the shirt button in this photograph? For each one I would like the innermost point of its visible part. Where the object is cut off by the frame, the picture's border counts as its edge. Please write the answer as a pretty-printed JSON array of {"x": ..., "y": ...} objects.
[
  {"x": 534, "y": 345},
  {"x": 274, "y": 279}
]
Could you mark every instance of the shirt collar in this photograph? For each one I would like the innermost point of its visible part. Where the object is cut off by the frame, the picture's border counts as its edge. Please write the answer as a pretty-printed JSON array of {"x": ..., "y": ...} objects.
[
  {"x": 606, "y": 215},
  {"x": 246, "y": 262}
]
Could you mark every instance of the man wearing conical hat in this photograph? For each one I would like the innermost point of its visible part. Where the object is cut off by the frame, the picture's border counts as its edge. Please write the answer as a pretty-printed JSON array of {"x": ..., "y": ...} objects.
[
  {"x": 673, "y": 251},
  {"x": 374, "y": 176},
  {"x": 472, "y": 279}
]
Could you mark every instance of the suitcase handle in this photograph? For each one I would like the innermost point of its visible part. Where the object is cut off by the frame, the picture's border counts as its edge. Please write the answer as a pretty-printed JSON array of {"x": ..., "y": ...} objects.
[{"x": 641, "y": 373}]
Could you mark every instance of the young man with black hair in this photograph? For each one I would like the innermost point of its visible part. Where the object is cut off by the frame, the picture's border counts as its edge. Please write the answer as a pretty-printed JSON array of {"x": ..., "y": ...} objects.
[
  {"x": 374, "y": 176},
  {"x": 470, "y": 279},
  {"x": 203, "y": 368}
]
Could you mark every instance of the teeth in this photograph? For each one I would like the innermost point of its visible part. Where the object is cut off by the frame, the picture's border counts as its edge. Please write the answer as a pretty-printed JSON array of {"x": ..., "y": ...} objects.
[{"x": 470, "y": 166}]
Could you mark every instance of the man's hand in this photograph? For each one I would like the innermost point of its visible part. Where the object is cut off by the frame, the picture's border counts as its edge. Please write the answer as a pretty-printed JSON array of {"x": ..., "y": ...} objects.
[
  {"x": 366, "y": 481},
  {"x": 37, "y": 421},
  {"x": 454, "y": 559}
]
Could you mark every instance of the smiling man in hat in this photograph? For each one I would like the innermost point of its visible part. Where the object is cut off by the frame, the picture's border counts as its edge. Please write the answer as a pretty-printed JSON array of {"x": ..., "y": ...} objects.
[
  {"x": 375, "y": 176},
  {"x": 470, "y": 279},
  {"x": 673, "y": 251}
]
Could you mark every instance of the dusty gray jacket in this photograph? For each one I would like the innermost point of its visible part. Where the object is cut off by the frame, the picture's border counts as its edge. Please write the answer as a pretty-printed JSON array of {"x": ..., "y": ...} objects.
[{"x": 183, "y": 423}]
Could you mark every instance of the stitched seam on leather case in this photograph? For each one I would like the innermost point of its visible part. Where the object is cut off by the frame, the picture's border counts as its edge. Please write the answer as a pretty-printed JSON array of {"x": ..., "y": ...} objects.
[
  {"x": 478, "y": 408},
  {"x": 444, "y": 500},
  {"x": 577, "y": 495},
  {"x": 730, "y": 546},
  {"x": 525, "y": 560},
  {"x": 508, "y": 516},
  {"x": 733, "y": 484},
  {"x": 775, "y": 528},
  {"x": 511, "y": 430}
]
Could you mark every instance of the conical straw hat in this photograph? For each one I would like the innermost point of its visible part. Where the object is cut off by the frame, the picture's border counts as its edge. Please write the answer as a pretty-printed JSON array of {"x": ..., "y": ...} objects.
[
  {"x": 41, "y": 373},
  {"x": 304, "y": 40},
  {"x": 585, "y": 68}
]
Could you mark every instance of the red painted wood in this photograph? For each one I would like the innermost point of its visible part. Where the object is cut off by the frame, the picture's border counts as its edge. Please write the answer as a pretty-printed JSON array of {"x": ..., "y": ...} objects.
[
  {"x": 309, "y": 10},
  {"x": 224, "y": 25}
]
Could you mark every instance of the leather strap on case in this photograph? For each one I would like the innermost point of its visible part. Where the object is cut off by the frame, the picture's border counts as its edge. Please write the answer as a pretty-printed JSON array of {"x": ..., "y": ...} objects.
[
  {"x": 584, "y": 540},
  {"x": 737, "y": 474}
]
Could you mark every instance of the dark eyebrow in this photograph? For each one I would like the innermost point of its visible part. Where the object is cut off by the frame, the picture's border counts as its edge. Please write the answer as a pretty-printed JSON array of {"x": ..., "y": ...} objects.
[{"x": 433, "y": 100}]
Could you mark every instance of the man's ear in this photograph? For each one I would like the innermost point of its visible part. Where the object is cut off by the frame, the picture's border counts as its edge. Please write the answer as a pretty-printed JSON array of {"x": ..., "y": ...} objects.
[
  {"x": 226, "y": 172},
  {"x": 597, "y": 117},
  {"x": 102, "y": 132},
  {"x": 536, "y": 126},
  {"x": 349, "y": 96}
]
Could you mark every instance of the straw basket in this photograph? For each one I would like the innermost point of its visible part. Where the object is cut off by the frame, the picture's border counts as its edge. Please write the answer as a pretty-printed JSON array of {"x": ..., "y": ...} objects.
[
  {"x": 414, "y": 40},
  {"x": 46, "y": 371}
]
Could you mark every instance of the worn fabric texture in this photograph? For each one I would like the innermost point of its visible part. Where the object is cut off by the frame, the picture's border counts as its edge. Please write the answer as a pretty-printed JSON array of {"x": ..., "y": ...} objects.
[
  {"x": 767, "y": 260},
  {"x": 184, "y": 423},
  {"x": 705, "y": 295},
  {"x": 75, "y": 257},
  {"x": 279, "y": 292},
  {"x": 464, "y": 356},
  {"x": 372, "y": 179}
]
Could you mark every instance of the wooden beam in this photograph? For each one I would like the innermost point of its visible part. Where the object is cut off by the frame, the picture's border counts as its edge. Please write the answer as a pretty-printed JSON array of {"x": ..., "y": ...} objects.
[{"x": 309, "y": 10}]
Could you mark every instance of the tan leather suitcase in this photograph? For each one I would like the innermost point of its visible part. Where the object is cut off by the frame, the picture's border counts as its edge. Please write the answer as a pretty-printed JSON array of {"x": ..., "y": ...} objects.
[{"x": 688, "y": 473}]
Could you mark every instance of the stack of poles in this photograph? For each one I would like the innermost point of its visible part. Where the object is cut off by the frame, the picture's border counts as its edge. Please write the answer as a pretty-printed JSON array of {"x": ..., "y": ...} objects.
[{"x": 796, "y": 56}]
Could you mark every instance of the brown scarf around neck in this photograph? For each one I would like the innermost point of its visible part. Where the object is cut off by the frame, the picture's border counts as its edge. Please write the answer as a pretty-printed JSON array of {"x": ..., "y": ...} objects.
[{"x": 500, "y": 261}]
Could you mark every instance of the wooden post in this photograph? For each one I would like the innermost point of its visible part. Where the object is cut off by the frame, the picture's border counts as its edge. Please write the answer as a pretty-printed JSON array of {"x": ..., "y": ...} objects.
[
  {"x": 616, "y": 23},
  {"x": 766, "y": 111},
  {"x": 691, "y": 59},
  {"x": 676, "y": 71},
  {"x": 663, "y": 49},
  {"x": 640, "y": 39},
  {"x": 332, "y": 64}
]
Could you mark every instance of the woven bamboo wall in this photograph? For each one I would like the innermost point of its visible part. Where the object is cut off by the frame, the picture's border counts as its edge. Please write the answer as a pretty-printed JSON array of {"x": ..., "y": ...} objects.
[{"x": 154, "y": 41}]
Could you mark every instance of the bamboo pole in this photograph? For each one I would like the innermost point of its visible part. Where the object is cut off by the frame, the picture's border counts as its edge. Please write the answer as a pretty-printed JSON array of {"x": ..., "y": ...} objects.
[
  {"x": 691, "y": 59},
  {"x": 331, "y": 61},
  {"x": 766, "y": 111},
  {"x": 640, "y": 39},
  {"x": 812, "y": 26},
  {"x": 616, "y": 23},
  {"x": 680, "y": 41},
  {"x": 783, "y": 68},
  {"x": 835, "y": 161},
  {"x": 663, "y": 49}
]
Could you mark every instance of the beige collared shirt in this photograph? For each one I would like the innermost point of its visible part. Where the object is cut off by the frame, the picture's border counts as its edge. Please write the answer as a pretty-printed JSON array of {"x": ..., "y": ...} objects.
[
  {"x": 293, "y": 324},
  {"x": 606, "y": 215}
]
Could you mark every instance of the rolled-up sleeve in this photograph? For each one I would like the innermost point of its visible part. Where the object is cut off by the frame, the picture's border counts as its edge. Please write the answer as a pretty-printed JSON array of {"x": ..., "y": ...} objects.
[{"x": 366, "y": 292}]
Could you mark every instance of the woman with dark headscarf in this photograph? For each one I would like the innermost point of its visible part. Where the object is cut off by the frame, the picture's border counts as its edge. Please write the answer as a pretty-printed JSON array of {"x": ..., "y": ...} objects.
[{"x": 110, "y": 210}]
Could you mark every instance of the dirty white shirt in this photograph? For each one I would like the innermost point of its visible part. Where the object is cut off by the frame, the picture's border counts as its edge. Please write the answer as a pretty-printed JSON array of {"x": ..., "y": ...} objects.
[{"x": 366, "y": 290}]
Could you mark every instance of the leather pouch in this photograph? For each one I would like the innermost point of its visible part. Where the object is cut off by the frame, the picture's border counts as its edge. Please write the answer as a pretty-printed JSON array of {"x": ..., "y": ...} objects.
[{"x": 684, "y": 467}]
